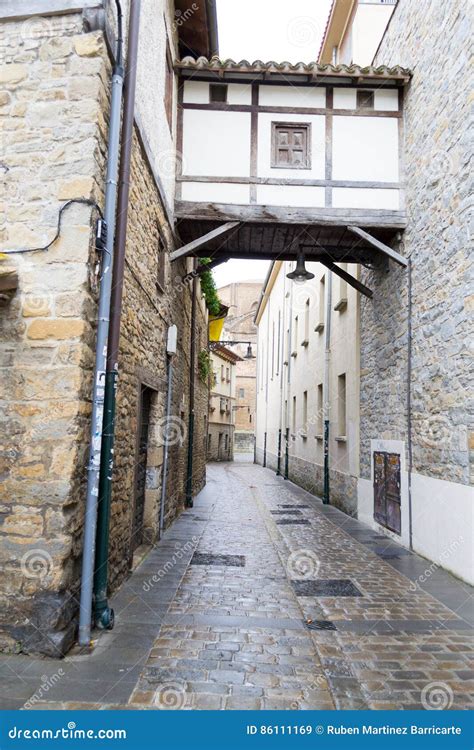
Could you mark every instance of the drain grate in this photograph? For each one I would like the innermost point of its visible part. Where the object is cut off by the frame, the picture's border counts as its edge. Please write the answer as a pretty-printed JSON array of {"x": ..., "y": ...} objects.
[
  {"x": 320, "y": 625},
  {"x": 292, "y": 521},
  {"x": 286, "y": 512},
  {"x": 229, "y": 561},
  {"x": 329, "y": 587}
]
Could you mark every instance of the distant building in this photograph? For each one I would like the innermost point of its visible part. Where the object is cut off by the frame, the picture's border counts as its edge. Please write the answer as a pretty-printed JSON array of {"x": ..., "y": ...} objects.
[
  {"x": 242, "y": 298},
  {"x": 292, "y": 326},
  {"x": 354, "y": 31},
  {"x": 220, "y": 438}
]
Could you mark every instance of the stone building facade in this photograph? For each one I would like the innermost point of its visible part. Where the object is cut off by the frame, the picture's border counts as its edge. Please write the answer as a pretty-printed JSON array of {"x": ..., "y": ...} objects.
[
  {"x": 222, "y": 404},
  {"x": 414, "y": 371},
  {"x": 292, "y": 322},
  {"x": 54, "y": 98},
  {"x": 242, "y": 298},
  {"x": 434, "y": 427}
]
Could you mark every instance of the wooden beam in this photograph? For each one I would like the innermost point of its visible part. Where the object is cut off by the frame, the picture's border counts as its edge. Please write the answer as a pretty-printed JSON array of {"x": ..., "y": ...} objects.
[
  {"x": 349, "y": 278},
  {"x": 190, "y": 248},
  {"x": 215, "y": 262},
  {"x": 385, "y": 249},
  {"x": 336, "y": 217}
]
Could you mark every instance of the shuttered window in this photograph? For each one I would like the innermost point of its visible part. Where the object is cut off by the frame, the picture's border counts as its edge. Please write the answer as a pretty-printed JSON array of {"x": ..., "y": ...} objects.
[{"x": 291, "y": 145}]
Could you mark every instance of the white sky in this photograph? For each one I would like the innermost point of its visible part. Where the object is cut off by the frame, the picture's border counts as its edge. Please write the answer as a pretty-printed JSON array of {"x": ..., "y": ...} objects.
[{"x": 267, "y": 30}]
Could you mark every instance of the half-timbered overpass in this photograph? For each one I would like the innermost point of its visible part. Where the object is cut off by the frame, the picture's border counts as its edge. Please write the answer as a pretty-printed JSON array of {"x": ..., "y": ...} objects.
[{"x": 276, "y": 159}]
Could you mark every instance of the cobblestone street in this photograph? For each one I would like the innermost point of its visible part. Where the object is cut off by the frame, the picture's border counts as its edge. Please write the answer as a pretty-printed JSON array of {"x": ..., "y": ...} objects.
[{"x": 260, "y": 597}]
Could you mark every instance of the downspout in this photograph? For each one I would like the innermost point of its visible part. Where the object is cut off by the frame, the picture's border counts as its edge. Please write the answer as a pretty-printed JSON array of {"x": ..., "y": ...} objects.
[
  {"x": 90, "y": 521},
  {"x": 192, "y": 377},
  {"x": 409, "y": 414},
  {"x": 170, "y": 351},
  {"x": 327, "y": 359},
  {"x": 288, "y": 389},
  {"x": 103, "y": 615}
]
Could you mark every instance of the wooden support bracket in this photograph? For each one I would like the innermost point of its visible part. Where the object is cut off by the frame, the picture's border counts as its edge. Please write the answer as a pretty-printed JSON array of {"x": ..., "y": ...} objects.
[
  {"x": 200, "y": 241},
  {"x": 385, "y": 249},
  {"x": 348, "y": 277}
]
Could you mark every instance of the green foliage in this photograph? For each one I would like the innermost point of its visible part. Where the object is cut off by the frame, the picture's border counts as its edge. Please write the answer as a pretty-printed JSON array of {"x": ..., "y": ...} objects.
[
  {"x": 209, "y": 290},
  {"x": 205, "y": 366}
]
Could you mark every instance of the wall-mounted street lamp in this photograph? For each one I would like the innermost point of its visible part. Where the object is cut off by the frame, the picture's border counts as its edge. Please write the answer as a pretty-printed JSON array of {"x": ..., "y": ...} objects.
[
  {"x": 249, "y": 354},
  {"x": 300, "y": 274}
]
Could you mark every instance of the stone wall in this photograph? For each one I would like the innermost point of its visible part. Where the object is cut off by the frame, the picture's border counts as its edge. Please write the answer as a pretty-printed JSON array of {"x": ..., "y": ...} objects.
[
  {"x": 310, "y": 476},
  {"x": 147, "y": 314},
  {"x": 54, "y": 99},
  {"x": 53, "y": 91},
  {"x": 432, "y": 39}
]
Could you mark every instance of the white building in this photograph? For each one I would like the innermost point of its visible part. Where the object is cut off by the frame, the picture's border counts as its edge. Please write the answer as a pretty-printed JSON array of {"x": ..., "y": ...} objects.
[
  {"x": 354, "y": 31},
  {"x": 291, "y": 382}
]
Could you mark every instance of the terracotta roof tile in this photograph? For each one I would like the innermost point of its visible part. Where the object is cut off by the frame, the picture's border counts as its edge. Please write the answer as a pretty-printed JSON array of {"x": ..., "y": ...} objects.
[{"x": 215, "y": 64}]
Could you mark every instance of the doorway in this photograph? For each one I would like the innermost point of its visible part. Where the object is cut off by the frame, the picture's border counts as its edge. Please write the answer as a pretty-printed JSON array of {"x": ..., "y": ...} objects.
[
  {"x": 387, "y": 497},
  {"x": 146, "y": 396}
]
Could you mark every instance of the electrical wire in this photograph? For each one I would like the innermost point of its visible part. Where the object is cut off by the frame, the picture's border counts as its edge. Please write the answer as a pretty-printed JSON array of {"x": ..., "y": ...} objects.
[{"x": 44, "y": 248}]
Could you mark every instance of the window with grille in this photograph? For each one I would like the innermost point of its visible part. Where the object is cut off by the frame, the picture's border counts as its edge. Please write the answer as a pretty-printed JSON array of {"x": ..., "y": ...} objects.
[{"x": 291, "y": 145}]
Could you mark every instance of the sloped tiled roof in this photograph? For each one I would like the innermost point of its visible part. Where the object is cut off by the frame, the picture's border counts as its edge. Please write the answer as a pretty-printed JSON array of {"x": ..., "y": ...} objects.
[{"x": 311, "y": 69}]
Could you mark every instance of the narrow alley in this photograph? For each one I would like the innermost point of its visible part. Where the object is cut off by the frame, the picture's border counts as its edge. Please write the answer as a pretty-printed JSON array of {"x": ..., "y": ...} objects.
[{"x": 260, "y": 597}]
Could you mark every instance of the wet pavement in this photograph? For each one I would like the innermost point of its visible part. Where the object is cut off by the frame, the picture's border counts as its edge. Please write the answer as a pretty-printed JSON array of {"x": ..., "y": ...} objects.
[{"x": 260, "y": 597}]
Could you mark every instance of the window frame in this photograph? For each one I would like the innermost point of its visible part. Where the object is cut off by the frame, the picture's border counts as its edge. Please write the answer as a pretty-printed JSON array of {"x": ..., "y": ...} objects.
[{"x": 276, "y": 126}]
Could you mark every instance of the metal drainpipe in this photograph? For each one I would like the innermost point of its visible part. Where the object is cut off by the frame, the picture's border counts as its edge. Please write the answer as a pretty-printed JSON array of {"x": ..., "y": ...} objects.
[
  {"x": 90, "y": 521},
  {"x": 288, "y": 389},
  {"x": 103, "y": 615},
  {"x": 278, "y": 472},
  {"x": 192, "y": 376},
  {"x": 282, "y": 379},
  {"x": 171, "y": 350},
  {"x": 327, "y": 358},
  {"x": 409, "y": 417}
]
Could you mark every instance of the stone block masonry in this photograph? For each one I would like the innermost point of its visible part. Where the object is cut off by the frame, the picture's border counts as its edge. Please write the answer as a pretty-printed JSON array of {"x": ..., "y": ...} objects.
[
  {"x": 433, "y": 40},
  {"x": 54, "y": 94},
  {"x": 436, "y": 158}
]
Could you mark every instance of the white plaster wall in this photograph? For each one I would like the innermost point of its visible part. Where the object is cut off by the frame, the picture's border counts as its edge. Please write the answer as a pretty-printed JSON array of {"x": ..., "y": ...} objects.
[
  {"x": 365, "y": 148},
  {"x": 318, "y": 145},
  {"x": 366, "y": 198},
  {"x": 370, "y": 22},
  {"x": 216, "y": 143},
  {"x": 239, "y": 93},
  {"x": 443, "y": 524},
  {"x": 290, "y": 195},
  {"x": 196, "y": 92},
  {"x": 291, "y": 96},
  {"x": 443, "y": 517},
  {"x": 384, "y": 100},
  {"x": 156, "y": 25},
  {"x": 305, "y": 370},
  {"x": 214, "y": 192}
]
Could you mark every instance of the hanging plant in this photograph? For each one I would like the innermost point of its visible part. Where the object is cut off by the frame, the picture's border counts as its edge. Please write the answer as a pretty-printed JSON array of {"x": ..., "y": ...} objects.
[
  {"x": 205, "y": 367},
  {"x": 209, "y": 290}
]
